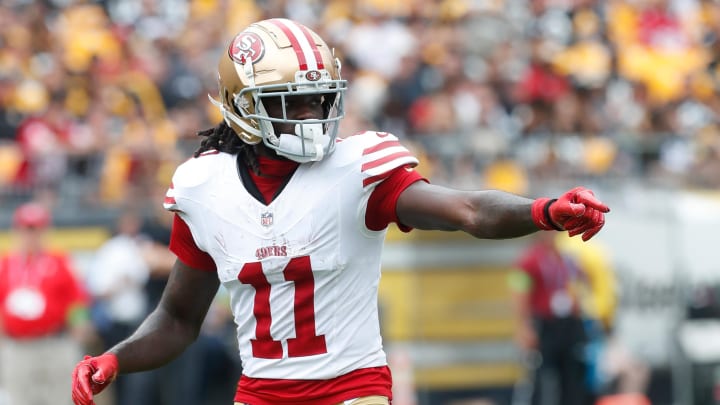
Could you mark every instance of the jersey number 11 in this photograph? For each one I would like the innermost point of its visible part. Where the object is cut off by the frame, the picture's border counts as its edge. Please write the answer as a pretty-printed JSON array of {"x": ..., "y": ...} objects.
[{"x": 306, "y": 341}]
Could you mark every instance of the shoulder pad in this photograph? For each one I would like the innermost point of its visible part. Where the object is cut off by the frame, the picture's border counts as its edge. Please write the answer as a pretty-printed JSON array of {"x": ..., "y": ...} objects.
[
  {"x": 193, "y": 173},
  {"x": 198, "y": 170},
  {"x": 381, "y": 154}
]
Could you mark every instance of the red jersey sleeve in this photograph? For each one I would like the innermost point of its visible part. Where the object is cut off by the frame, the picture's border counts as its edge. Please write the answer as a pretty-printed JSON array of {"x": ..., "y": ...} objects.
[
  {"x": 184, "y": 247},
  {"x": 383, "y": 200}
]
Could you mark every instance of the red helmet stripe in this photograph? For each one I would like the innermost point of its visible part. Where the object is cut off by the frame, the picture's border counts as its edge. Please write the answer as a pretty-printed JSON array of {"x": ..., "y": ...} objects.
[
  {"x": 293, "y": 41},
  {"x": 307, "y": 53},
  {"x": 315, "y": 50}
]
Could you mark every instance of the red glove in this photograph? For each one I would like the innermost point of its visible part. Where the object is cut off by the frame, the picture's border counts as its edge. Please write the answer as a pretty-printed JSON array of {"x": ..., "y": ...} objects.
[
  {"x": 91, "y": 376},
  {"x": 577, "y": 211}
]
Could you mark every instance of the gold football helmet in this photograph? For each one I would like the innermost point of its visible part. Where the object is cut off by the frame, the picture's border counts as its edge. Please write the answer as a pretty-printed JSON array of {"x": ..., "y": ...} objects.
[{"x": 280, "y": 58}]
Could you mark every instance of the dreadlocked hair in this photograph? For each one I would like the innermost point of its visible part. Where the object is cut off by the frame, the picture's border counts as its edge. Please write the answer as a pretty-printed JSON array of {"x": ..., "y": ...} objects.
[{"x": 222, "y": 138}]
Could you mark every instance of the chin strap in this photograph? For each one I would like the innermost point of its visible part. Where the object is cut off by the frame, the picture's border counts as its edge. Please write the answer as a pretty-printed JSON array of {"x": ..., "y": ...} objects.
[{"x": 309, "y": 143}]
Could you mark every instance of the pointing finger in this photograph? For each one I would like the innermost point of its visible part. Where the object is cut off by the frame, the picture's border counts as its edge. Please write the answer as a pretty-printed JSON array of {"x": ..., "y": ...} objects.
[{"x": 587, "y": 198}]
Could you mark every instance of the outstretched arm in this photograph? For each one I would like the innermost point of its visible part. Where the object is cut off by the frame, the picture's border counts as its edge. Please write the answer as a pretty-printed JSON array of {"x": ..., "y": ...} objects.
[
  {"x": 164, "y": 334},
  {"x": 493, "y": 214}
]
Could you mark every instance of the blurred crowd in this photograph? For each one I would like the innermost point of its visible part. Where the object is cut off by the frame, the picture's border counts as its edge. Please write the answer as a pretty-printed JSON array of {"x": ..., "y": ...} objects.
[{"x": 100, "y": 100}]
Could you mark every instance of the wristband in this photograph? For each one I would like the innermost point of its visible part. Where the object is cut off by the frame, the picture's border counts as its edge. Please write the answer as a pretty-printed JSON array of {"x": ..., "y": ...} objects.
[
  {"x": 546, "y": 212},
  {"x": 540, "y": 212}
]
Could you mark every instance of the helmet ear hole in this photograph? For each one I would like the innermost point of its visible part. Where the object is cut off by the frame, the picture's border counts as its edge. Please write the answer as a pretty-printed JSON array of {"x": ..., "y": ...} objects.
[{"x": 232, "y": 104}]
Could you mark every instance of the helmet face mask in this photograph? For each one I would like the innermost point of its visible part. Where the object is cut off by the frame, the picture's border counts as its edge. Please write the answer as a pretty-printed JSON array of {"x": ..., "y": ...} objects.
[{"x": 280, "y": 60}]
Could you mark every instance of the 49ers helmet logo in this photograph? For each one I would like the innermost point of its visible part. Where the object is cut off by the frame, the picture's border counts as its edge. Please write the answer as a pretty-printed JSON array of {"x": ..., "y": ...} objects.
[
  {"x": 246, "y": 47},
  {"x": 313, "y": 75}
]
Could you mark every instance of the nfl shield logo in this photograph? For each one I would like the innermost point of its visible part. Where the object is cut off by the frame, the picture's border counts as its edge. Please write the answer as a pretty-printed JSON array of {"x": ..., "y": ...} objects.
[{"x": 266, "y": 219}]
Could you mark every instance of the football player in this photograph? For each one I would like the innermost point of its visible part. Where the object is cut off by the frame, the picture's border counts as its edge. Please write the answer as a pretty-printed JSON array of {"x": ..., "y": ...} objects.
[{"x": 291, "y": 220}]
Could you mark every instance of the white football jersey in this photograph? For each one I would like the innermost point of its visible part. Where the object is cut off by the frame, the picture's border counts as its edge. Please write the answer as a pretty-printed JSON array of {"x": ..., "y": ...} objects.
[{"x": 303, "y": 271}]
